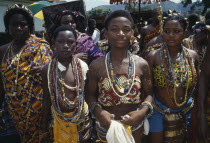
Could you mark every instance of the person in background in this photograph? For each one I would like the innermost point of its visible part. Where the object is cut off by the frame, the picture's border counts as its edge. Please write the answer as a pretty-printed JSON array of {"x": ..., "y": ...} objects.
[
  {"x": 86, "y": 50},
  {"x": 192, "y": 19},
  {"x": 150, "y": 31},
  {"x": 21, "y": 60},
  {"x": 203, "y": 124},
  {"x": 93, "y": 31}
]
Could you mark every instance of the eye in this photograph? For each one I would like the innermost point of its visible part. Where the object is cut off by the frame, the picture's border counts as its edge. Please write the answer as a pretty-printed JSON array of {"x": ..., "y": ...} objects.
[
  {"x": 70, "y": 42},
  {"x": 114, "y": 29},
  {"x": 60, "y": 41},
  {"x": 126, "y": 30},
  {"x": 166, "y": 31},
  {"x": 177, "y": 31}
]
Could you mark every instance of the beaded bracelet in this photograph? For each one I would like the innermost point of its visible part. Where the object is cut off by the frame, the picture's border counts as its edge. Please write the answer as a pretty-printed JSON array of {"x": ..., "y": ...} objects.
[
  {"x": 92, "y": 108},
  {"x": 149, "y": 105}
]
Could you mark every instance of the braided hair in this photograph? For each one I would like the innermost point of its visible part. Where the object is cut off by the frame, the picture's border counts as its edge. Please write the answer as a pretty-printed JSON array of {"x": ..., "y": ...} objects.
[{"x": 179, "y": 18}]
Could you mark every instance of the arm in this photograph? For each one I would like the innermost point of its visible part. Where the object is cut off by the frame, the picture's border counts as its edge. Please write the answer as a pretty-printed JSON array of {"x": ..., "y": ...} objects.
[
  {"x": 2, "y": 93},
  {"x": 136, "y": 117},
  {"x": 46, "y": 108},
  {"x": 201, "y": 118},
  {"x": 101, "y": 115}
]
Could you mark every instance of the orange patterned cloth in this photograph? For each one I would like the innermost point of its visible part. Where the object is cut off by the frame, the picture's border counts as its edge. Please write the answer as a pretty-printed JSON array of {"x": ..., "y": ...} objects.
[
  {"x": 25, "y": 107},
  {"x": 155, "y": 32}
]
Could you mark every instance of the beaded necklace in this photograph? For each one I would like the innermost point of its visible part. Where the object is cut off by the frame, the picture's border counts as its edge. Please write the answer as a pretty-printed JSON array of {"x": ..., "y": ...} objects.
[
  {"x": 15, "y": 58},
  {"x": 66, "y": 101},
  {"x": 172, "y": 78},
  {"x": 56, "y": 96},
  {"x": 125, "y": 87}
]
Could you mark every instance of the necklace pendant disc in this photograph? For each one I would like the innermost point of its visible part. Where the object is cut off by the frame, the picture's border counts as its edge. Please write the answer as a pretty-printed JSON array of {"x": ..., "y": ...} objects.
[
  {"x": 122, "y": 90},
  {"x": 14, "y": 93}
]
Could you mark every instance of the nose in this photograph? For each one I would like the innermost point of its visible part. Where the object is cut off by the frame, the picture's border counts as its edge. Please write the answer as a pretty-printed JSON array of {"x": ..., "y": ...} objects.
[
  {"x": 19, "y": 27},
  {"x": 121, "y": 33}
]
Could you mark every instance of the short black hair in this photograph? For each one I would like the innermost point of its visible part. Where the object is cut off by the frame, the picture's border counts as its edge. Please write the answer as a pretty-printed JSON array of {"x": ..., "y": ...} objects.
[
  {"x": 207, "y": 16},
  {"x": 64, "y": 28},
  {"x": 19, "y": 9},
  {"x": 118, "y": 13},
  {"x": 179, "y": 18},
  {"x": 207, "y": 22},
  {"x": 193, "y": 18},
  {"x": 91, "y": 21}
]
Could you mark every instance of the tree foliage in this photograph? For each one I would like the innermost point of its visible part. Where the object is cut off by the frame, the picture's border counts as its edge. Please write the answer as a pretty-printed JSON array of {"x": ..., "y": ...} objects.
[
  {"x": 205, "y": 3},
  {"x": 99, "y": 12},
  {"x": 134, "y": 8}
]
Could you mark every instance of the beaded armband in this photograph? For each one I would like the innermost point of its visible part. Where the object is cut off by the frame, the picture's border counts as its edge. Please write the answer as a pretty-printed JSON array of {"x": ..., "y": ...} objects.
[
  {"x": 149, "y": 105},
  {"x": 92, "y": 108}
]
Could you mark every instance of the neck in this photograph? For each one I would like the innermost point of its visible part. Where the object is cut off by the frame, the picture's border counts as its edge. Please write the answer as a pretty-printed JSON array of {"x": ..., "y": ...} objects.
[
  {"x": 64, "y": 61},
  {"x": 18, "y": 44},
  {"x": 174, "y": 51},
  {"x": 118, "y": 54}
]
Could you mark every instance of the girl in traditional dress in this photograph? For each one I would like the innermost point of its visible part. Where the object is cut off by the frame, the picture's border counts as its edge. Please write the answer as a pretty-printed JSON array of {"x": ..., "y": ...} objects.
[
  {"x": 119, "y": 85},
  {"x": 175, "y": 71}
]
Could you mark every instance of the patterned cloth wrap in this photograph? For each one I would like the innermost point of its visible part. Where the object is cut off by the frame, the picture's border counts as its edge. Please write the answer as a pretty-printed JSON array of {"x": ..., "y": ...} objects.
[
  {"x": 107, "y": 97},
  {"x": 155, "y": 32},
  {"x": 174, "y": 123},
  {"x": 74, "y": 130},
  {"x": 26, "y": 106},
  {"x": 159, "y": 80},
  {"x": 86, "y": 45}
]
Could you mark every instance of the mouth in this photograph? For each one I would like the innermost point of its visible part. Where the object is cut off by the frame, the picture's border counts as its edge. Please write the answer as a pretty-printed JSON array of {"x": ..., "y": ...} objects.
[{"x": 120, "y": 41}]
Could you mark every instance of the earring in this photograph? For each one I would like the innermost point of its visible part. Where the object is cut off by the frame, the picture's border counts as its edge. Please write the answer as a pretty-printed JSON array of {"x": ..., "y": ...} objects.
[{"x": 132, "y": 40}]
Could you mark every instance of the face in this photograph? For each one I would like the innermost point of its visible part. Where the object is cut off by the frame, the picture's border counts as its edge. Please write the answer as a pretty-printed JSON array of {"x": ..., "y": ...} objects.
[
  {"x": 68, "y": 20},
  {"x": 18, "y": 27},
  {"x": 119, "y": 32},
  {"x": 173, "y": 33},
  {"x": 65, "y": 44}
]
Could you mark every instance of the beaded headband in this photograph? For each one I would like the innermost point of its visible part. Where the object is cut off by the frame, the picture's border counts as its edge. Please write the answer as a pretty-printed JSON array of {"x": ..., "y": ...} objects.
[
  {"x": 201, "y": 26},
  {"x": 19, "y": 6}
]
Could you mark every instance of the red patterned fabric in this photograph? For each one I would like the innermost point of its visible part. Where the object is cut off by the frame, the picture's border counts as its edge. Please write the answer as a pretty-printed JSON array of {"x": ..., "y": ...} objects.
[{"x": 107, "y": 97}]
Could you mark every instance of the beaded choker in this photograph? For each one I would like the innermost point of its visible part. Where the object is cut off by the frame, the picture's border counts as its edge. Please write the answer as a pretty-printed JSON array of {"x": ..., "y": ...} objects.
[{"x": 125, "y": 87}]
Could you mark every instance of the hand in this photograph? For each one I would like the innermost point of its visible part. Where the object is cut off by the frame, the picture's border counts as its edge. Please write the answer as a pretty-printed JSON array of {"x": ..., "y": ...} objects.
[
  {"x": 134, "y": 118},
  {"x": 82, "y": 56},
  {"x": 37, "y": 69},
  {"x": 202, "y": 128},
  {"x": 104, "y": 118}
]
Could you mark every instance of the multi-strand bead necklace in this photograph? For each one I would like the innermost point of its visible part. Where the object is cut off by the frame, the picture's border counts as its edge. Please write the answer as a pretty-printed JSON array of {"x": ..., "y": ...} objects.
[
  {"x": 56, "y": 86},
  {"x": 124, "y": 87},
  {"x": 172, "y": 78}
]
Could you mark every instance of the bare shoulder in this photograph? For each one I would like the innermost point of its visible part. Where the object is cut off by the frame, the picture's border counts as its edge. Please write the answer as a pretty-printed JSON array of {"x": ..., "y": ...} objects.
[
  {"x": 140, "y": 61},
  {"x": 193, "y": 54},
  {"x": 97, "y": 64},
  {"x": 154, "y": 53}
]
